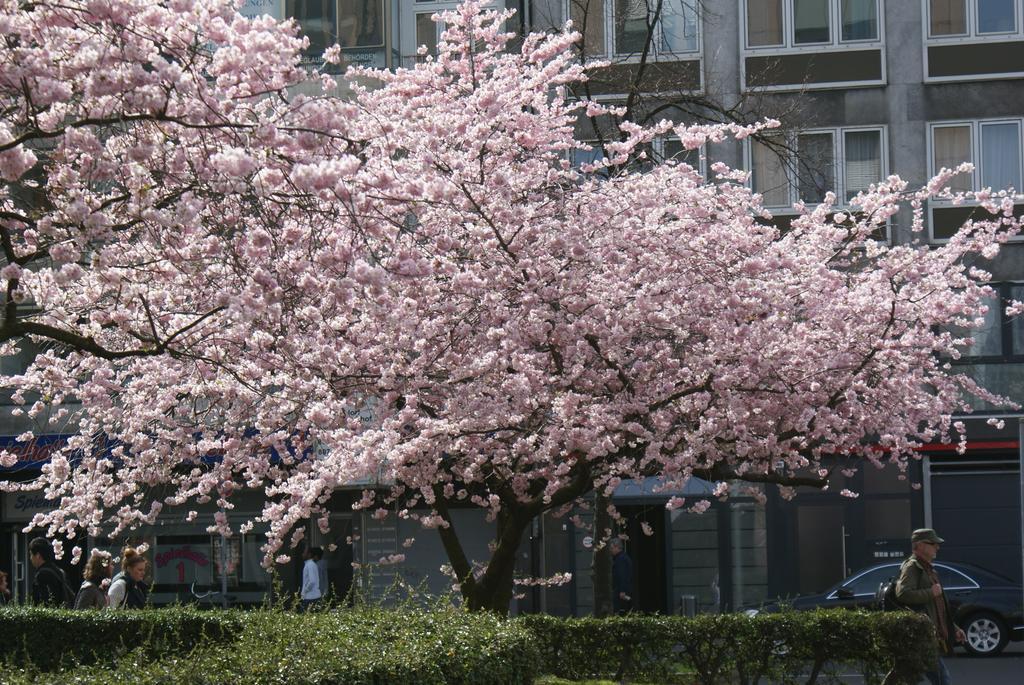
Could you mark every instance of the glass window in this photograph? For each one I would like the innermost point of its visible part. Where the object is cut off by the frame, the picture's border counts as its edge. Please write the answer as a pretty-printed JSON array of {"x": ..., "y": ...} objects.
[
  {"x": 988, "y": 339},
  {"x": 815, "y": 167},
  {"x": 630, "y": 26},
  {"x": 679, "y": 26},
  {"x": 810, "y": 21},
  {"x": 588, "y": 18},
  {"x": 996, "y": 16},
  {"x": 860, "y": 20},
  {"x": 868, "y": 583},
  {"x": 769, "y": 175},
  {"x": 952, "y": 147},
  {"x": 951, "y": 579},
  {"x": 317, "y": 21},
  {"x": 427, "y": 32},
  {"x": 694, "y": 539},
  {"x": 183, "y": 560},
  {"x": 1000, "y": 156},
  {"x": 749, "y": 554},
  {"x": 360, "y": 23},
  {"x": 594, "y": 154},
  {"x": 863, "y": 160},
  {"x": 672, "y": 148},
  {"x": 947, "y": 17},
  {"x": 764, "y": 22}
]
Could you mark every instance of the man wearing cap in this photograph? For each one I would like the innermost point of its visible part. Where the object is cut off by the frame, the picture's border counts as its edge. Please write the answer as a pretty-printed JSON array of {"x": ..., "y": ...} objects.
[{"x": 918, "y": 587}]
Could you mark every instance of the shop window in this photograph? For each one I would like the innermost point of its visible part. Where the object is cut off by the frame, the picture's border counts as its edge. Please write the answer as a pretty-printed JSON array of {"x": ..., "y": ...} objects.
[
  {"x": 317, "y": 20},
  {"x": 800, "y": 23}
]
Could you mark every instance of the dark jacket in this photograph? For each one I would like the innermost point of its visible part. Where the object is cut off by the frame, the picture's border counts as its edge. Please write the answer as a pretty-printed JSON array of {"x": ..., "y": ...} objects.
[
  {"x": 622, "y": 581},
  {"x": 914, "y": 589},
  {"x": 90, "y": 596},
  {"x": 48, "y": 586},
  {"x": 135, "y": 594}
]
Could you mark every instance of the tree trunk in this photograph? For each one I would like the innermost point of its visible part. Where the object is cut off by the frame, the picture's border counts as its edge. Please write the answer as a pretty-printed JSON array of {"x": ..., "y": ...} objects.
[{"x": 601, "y": 568}]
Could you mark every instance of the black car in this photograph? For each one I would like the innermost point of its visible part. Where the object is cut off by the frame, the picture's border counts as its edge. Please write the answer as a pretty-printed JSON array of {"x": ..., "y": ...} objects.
[{"x": 985, "y": 604}]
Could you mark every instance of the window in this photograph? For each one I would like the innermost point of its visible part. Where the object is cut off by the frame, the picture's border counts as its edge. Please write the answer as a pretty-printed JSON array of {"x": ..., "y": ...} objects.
[
  {"x": 317, "y": 20},
  {"x": 948, "y": 18},
  {"x": 999, "y": 337},
  {"x": 867, "y": 583},
  {"x": 419, "y": 30},
  {"x": 672, "y": 149},
  {"x": 623, "y": 27},
  {"x": 951, "y": 579},
  {"x": 802, "y": 23},
  {"x": 805, "y": 166},
  {"x": 994, "y": 147}
]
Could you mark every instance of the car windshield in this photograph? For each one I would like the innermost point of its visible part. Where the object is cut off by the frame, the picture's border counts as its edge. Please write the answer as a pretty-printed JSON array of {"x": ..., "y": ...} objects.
[{"x": 867, "y": 582}]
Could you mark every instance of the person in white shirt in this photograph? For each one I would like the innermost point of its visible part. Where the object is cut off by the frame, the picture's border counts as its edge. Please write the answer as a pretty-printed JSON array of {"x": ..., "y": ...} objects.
[
  {"x": 321, "y": 567},
  {"x": 310, "y": 579}
]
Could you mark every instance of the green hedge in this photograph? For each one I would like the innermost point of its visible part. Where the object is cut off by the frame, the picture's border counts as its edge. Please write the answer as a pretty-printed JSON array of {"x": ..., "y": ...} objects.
[
  {"x": 359, "y": 646},
  {"x": 787, "y": 647},
  {"x": 48, "y": 639},
  {"x": 373, "y": 646}
]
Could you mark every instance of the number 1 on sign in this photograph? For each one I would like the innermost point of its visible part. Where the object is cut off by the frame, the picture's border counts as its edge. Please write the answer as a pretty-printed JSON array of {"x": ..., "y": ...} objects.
[{"x": 181, "y": 571}]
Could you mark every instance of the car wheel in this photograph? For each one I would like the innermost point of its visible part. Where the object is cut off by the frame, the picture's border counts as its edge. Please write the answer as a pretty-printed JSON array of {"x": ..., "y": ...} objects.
[{"x": 986, "y": 634}]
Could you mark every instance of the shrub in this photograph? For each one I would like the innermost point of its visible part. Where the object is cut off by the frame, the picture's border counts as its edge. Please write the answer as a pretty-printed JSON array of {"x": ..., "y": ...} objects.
[
  {"x": 734, "y": 647},
  {"x": 47, "y": 638},
  {"x": 357, "y": 647}
]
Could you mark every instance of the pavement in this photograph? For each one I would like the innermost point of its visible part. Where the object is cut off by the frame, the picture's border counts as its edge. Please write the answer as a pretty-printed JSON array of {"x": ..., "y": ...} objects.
[{"x": 1006, "y": 668}]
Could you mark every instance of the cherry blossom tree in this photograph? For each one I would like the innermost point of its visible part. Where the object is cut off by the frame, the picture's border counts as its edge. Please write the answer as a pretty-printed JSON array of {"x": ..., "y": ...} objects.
[{"x": 218, "y": 267}]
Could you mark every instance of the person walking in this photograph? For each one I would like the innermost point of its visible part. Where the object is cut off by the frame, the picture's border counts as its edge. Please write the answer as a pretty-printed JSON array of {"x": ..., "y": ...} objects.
[
  {"x": 311, "y": 593},
  {"x": 50, "y": 587},
  {"x": 5, "y": 591},
  {"x": 918, "y": 587},
  {"x": 321, "y": 569},
  {"x": 93, "y": 593},
  {"x": 622, "y": 578},
  {"x": 128, "y": 591}
]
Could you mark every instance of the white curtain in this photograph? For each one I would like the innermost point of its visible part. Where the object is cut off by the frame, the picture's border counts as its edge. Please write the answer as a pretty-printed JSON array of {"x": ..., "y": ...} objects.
[
  {"x": 1000, "y": 156},
  {"x": 952, "y": 147},
  {"x": 863, "y": 151}
]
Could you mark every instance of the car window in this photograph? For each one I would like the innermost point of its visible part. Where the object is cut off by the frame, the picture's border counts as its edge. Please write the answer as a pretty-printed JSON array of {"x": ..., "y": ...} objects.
[
  {"x": 867, "y": 583},
  {"x": 950, "y": 578}
]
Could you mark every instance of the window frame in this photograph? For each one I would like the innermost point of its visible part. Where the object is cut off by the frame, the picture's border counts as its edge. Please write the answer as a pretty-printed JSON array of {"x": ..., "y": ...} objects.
[
  {"x": 835, "y": 42},
  {"x": 656, "y": 54},
  {"x": 838, "y": 134},
  {"x": 975, "y": 126},
  {"x": 972, "y": 33}
]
